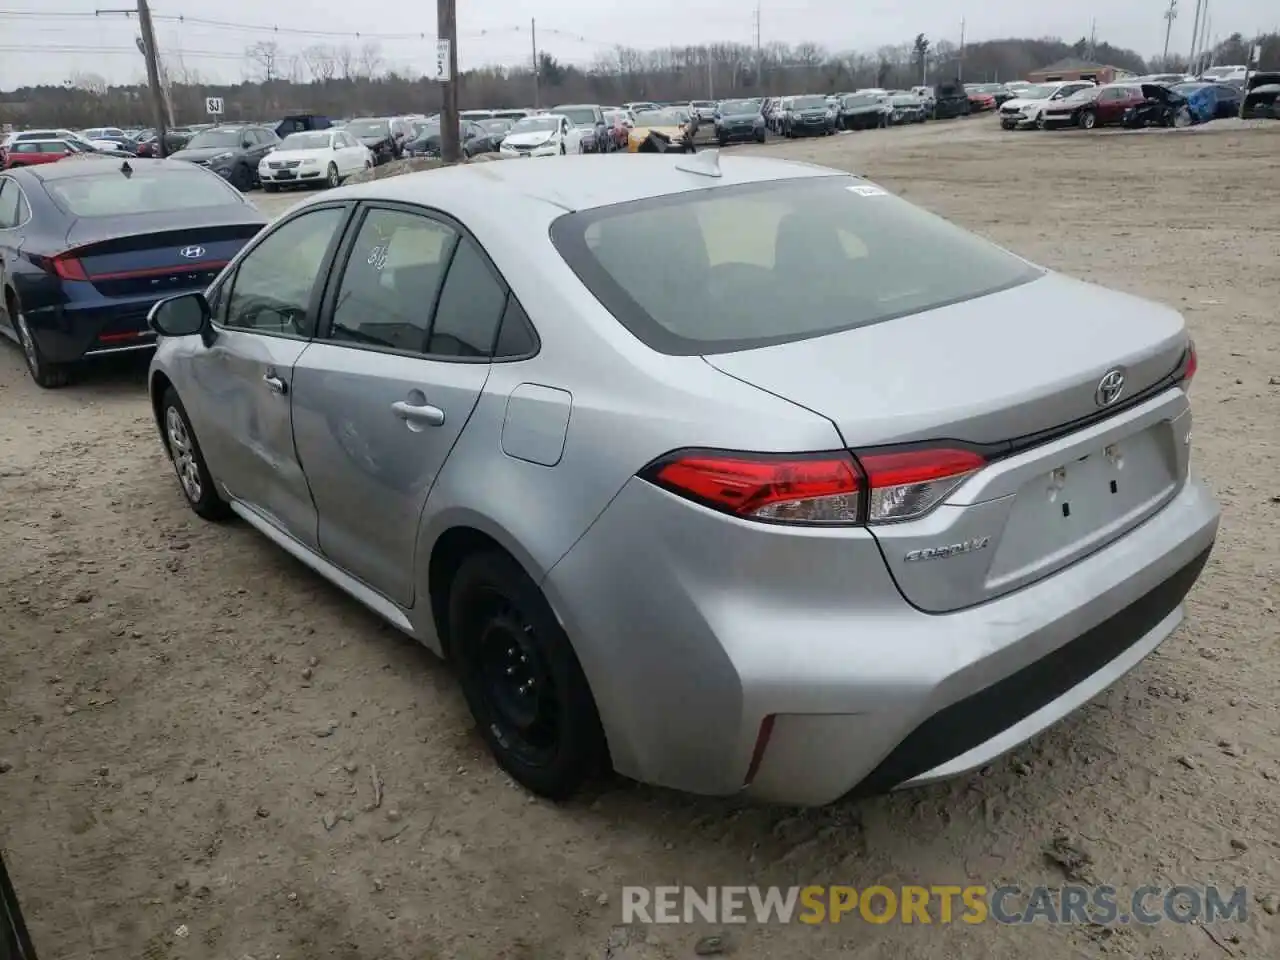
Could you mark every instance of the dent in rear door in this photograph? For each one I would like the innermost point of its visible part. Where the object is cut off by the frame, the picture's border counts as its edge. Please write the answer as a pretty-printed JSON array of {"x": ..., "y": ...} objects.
[
  {"x": 380, "y": 404},
  {"x": 370, "y": 457}
]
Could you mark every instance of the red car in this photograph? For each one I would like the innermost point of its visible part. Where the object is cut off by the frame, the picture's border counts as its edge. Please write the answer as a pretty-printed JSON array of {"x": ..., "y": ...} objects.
[
  {"x": 1094, "y": 106},
  {"x": 979, "y": 101},
  {"x": 29, "y": 153}
]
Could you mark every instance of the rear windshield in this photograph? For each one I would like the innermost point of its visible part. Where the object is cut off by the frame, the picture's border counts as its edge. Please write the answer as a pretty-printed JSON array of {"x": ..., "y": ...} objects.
[
  {"x": 112, "y": 194},
  {"x": 731, "y": 268}
]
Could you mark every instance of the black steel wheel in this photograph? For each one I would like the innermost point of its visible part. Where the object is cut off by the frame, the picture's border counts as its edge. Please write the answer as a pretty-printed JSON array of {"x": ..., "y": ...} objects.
[{"x": 521, "y": 678}]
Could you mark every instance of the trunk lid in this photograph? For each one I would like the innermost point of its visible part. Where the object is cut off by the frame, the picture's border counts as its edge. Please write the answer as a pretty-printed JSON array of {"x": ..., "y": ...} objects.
[
  {"x": 1018, "y": 373},
  {"x": 151, "y": 255}
]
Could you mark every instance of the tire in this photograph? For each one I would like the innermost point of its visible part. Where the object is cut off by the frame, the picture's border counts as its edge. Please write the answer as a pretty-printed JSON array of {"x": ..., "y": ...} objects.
[
  {"x": 188, "y": 461},
  {"x": 760, "y": 137},
  {"x": 1182, "y": 118},
  {"x": 242, "y": 179},
  {"x": 724, "y": 142},
  {"x": 45, "y": 373},
  {"x": 271, "y": 187},
  {"x": 1041, "y": 124},
  {"x": 521, "y": 678},
  {"x": 563, "y": 151},
  {"x": 332, "y": 177},
  {"x": 1088, "y": 119}
]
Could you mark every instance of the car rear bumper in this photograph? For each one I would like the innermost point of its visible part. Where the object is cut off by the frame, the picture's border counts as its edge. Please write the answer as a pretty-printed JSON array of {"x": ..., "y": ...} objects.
[
  {"x": 693, "y": 628},
  {"x": 66, "y": 334}
]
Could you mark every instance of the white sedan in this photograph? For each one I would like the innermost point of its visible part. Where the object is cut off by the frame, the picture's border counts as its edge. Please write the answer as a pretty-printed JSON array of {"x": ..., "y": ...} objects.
[
  {"x": 313, "y": 156},
  {"x": 544, "y": 135}
]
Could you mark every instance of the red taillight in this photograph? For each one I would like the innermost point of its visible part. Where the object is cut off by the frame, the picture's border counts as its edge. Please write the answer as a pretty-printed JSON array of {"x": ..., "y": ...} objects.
[
  {"x": 879, "y": 486},
  {"x": 906, "y": 484},
  {"x": 821, "y": 488},
  {"x": 69, "y": 268},
  {"x": 1190, "y": 364}
]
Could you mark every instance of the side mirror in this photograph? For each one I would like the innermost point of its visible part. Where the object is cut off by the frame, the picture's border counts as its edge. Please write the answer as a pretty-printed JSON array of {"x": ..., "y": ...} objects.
[{"x": 182, "y": 316}]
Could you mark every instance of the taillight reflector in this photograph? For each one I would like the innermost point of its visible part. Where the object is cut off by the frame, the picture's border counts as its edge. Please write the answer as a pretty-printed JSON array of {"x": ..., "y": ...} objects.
[
  {"x": 69, "y": 268},
  {"x": 879, "y": 486},
  {"x": 906, "y": 484}
]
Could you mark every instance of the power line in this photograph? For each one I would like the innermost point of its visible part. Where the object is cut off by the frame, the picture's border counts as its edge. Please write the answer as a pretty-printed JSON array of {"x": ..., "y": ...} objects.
[{"x": 216, "y": 24}]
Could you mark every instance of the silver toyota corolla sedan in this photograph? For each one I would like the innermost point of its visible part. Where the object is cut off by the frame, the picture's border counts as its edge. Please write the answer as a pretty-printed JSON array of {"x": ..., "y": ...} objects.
[{"x": 731, "y": 473}]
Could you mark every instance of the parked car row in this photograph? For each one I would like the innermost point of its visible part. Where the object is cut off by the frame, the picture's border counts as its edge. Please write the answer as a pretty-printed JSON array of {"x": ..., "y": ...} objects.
[{"x": 1131, "y": 104}]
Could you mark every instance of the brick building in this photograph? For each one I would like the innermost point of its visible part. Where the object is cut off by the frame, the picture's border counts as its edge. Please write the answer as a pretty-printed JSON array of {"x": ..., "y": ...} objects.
[{"x": 1073, "y": 68}]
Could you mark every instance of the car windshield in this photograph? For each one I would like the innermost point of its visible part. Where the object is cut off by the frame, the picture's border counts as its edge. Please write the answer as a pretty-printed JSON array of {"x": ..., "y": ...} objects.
[
  {"x": 722, "y": 272},
  {"x": 495, "y": 125},
  {"x": 658, "y": 118},
  {"x": 369, "y": 128},
  {"x": 309, "y": 140},
  {"x": 578, "y": 116},
  {"x": 1034, "y": 93},
  {"x": 703, "y": 103},
  {"x": 861, "y": 100},
  {"x": 110, "y": 194},
  {"x": 536, "y": 125},
  {"x": 905, "y": 101},
  {"x": 809, "y": 103},
  {"x": 225, "y": 137},
  {"x": 739, "y": 106},
  {"x": 1088, "y": 93}
]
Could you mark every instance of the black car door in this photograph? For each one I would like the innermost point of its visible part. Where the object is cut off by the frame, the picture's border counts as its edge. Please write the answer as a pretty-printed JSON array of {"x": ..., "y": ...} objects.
[{"x": 265, "y": 141}]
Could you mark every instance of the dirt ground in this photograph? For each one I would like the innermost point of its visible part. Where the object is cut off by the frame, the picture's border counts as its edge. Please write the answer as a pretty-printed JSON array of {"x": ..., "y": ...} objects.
[{"x": 191, "y": 721}]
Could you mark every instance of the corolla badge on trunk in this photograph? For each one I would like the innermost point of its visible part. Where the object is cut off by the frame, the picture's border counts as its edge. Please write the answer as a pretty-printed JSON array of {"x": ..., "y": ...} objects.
[
  {"x": 950, "y": 550},
  {"x": 1110, "y": 387}
]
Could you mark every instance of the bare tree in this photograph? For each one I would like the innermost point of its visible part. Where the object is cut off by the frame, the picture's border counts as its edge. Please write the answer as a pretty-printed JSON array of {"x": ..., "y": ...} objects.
[
  {"x": 265, "y": 56},
  {"x": 345, "y": 60},
  {"x": 370, "y": 60},
  {"x": 320, "y": 62},
  {"x": 90, "y": 83}
]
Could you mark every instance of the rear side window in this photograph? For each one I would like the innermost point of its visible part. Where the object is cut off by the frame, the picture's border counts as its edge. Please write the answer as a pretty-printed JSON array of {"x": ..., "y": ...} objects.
[
  {"x": 757, "y": 264},
  {"x": 111, "y": 194},
  {"x": 470, "y": 308}
]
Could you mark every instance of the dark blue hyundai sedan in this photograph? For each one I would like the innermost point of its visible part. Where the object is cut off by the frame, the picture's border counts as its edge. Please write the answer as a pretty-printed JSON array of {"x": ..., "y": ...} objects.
[{"x": 87, "y": 246}]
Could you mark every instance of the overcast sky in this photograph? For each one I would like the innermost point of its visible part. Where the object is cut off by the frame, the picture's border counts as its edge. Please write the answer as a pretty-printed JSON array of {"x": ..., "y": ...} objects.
[{"x": 38, "y": 46}]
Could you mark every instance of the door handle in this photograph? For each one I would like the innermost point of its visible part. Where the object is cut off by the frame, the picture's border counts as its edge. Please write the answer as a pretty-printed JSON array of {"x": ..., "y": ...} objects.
[
  {"x": 418, "y": 415},
  {"x": 274, "y": 383}
]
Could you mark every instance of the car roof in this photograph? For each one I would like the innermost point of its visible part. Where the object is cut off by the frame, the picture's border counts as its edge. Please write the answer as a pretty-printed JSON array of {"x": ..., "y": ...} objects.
[
  {"x": 573, "y": 182},
  {"x": 99, "y": 165}
]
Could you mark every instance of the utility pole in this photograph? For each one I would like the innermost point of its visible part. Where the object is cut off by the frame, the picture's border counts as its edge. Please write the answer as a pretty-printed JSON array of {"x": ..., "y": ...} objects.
[
  {"x": 161, "y": 108},
  {"x": 759, "y": 80},
  {"x": 1170, "y": 15},
  {"x": 533, "y": 33},
  {"x": 1195, "y": 36},
  {"x": 447, "y": 29},
  {"x": 711, "y": 80},
  {"x": 1206, "y": 51},
  {"x": 960, "y": 68},
  {"x": 1093, "y": 40},
  {"x": 153, "y": 74}
]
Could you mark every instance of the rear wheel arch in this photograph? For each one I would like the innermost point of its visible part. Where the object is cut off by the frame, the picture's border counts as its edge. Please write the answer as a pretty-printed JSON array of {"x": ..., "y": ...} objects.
[{"x": 447, "y": 555}]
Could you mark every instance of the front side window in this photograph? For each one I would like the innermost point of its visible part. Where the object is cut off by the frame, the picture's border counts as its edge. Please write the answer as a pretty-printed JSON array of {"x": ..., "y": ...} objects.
[
  {"x": 272, "y": 288},
  {"x": 727, "y": 268},
  {"x": 391, "y": 282}
]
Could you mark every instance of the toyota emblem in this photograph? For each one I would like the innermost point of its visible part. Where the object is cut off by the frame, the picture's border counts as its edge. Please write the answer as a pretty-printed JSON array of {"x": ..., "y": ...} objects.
[
  {"x": 1110, "y": 387},
  {"x": 192, "y": 253}
]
